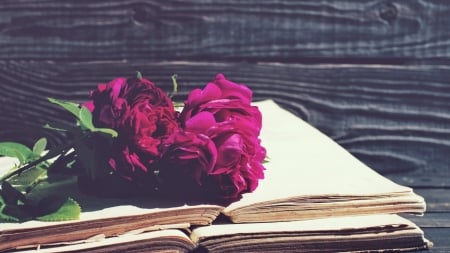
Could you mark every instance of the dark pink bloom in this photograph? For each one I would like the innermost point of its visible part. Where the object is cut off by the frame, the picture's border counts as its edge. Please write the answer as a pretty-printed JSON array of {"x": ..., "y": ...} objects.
[
  {"x": 141, "y": 113},
  {"x": 222, "y": 112},
  {"x": 108, "y": 106},
  {"x": 211, "y": 148},
  {"x": 187, "y": 156},
  {"x": 225, "y": 100},
  {"x": 127, "y": 163}
]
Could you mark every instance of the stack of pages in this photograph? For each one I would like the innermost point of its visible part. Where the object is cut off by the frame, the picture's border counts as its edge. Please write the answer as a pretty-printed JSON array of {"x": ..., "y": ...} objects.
[{"x": 316, "y": 197}]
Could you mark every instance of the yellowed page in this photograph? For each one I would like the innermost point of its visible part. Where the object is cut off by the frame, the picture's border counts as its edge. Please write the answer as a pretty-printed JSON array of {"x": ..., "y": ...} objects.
[
  {"x": 169, "y": 235},
  {"x": 310, "y": 226}
]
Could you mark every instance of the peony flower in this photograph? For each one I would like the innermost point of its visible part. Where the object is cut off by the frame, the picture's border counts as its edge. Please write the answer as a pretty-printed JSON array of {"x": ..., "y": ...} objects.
[
  {"x": 126, "y": 163},
  {"x": 221, "y": 112},
  {"x": 147, "y": 125},
  {"x": 187, "y": 158},
  {"x": 108, "y": 105},
  {"x": 142, "y": 114},
  {"x": 212, "y": 148},
  {"x": 225, "y": 100}
]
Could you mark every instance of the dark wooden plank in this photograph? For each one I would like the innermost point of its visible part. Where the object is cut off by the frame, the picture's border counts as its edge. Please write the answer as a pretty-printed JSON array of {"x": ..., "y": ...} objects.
[
  {"x": 394, "y": 118},
  {"x": 438, "y": 200},
  {"x": 440, "y": 238},
  {"x": 250, "y": 30},
  {"x": 432, "y": 220}
]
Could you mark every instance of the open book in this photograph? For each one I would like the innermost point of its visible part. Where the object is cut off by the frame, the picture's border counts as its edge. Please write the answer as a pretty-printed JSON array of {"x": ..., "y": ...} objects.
[
  {"x": 309, "y": 178},
  {"x": 383, "y": 232}
]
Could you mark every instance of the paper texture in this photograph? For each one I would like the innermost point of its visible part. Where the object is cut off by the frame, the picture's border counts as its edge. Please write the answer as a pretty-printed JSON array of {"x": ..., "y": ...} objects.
[
  {"x": 377, "y": 233},
  {"x": 163, "y": 241},
  {"x": 308, "y": 168}
]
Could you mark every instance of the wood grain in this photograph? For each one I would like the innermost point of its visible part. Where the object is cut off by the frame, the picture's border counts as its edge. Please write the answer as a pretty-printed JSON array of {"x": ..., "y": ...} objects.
[
  {"x": 394, "y": 118},
  {"x": 439, "y": 236},
  {"x": 251, "y": 30},
  {"x": 437, "y": 199},
  {"x": 431, "y": 220}
]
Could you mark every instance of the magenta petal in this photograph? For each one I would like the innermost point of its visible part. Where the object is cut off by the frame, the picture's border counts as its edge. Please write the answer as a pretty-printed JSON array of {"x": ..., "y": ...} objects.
[
  {"x": 210, "y": 92},
  {"x": 220, "y": 76},
  {"x": 229, "y": 154},
  {"x": 116, "y": 86},
  {"x": 102, "y": 87},
  {"x": 233, "y": 90},
  {"x": 201, "y": 122},
  {"x": 89, "y": 105}
]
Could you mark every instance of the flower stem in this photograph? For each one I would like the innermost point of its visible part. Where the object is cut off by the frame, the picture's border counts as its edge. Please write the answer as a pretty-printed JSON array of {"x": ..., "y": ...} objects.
[
  {"x": 175, "y": 85},
  {"x": 63, "y": 150}
]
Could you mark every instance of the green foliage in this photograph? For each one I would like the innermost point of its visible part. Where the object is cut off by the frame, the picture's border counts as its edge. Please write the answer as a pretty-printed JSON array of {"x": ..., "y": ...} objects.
[
  {"x": 83, "y": 116},
  {"x": 34, "y": 165},
  {"x": 113, "y": 133},
  {"x": 16, "y": 207},
  {"x": 69, "y": 210},
  {"x": 39, "y": 146},
  {"x": 28, "y": 179},
  {"x": 5, "y": 217},
  {"x": 69, "y": 106},
  {"x": 13, "y": 149},
  {"x": 54, "y": 126},
  {"x": 174, "y": 85},
  {"x": 26, "y": 156},
  {"x": 138, "y": 75},
  {"x": 21, "y": 179},
  {"x": 12, "y": 196}
]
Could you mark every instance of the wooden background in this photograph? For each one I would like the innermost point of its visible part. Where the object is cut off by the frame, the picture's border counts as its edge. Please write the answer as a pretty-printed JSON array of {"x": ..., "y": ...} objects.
[{"x": 374, "y": 75}]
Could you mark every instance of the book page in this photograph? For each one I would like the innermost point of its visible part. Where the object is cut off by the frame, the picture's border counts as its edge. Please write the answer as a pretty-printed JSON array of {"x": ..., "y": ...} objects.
[
  {"x": 377, "y": 233},
  {"x": 304, "y": 163},
  {"x": 169, "y": 240},
  {"x": 310, "y": 226}
]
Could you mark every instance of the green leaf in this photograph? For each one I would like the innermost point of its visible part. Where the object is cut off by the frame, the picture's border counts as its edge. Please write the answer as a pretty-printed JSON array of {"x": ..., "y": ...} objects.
[
  {"x": 49, "y": 204},
  {"x": 88, "y": 160},
  {"x": 85, "y": 117},
  {"x": 6, "y": 217},
  {"x": 54, "y": 127},
  {"x": 11, "y": 195},
  {"x": 86, "y": 121},
  {"x": 14, "y": 213},
  {"x": 69, "y": 106},
  {"x": 266, "y": 159},
  {"x": 70, "y": 210},
  {"x": 21, "y": 157},
  {"x": 13, "y": 149},
  {"x": 28, "y": 179},
  {"x": 108, "y": 131},
  {"x": 39, "y": 146}
]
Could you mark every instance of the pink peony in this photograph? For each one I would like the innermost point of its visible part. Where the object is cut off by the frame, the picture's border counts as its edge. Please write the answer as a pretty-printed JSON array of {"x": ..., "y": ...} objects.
[
  {"x": 222, "y": 112},
  {"x": 142, "y": 114}
]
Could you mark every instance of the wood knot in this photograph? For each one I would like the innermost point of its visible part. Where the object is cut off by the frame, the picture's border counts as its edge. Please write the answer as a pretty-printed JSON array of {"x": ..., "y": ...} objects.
[
  {"x": 388, "y": 12},
  {"x": 140, "y": 14}
]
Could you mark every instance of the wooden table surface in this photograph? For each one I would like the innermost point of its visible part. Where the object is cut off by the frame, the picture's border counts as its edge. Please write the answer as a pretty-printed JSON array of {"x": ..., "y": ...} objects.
[{"x": 373, "y": 74}]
